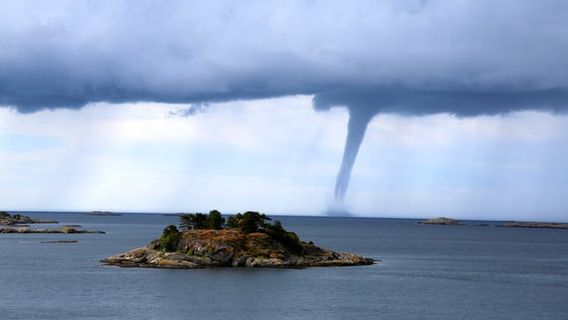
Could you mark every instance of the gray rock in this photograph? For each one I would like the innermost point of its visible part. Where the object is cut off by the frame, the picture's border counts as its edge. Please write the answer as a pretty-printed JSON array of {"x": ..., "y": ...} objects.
[
  {"x": 544, "y": 225},
  {"x": 441, "y": 221}
]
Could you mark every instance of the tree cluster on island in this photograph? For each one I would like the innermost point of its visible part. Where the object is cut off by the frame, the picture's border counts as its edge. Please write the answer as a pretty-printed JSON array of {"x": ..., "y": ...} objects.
[{"x": 248, "y": 222}]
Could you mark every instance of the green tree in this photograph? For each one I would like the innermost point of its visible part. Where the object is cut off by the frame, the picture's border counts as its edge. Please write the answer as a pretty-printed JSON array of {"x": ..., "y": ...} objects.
[
  {"x": 252, "y": 221},
  {"x": 248, "y": 222},
  {"x": 215, "y": 220},
  {"x": 233, "y": 221},
  {"x": 200, "y": 221},
  {"x": 193, "y": 221},
  {"x": 170, "y": 238},
  {"x": 186, "y": 222}
]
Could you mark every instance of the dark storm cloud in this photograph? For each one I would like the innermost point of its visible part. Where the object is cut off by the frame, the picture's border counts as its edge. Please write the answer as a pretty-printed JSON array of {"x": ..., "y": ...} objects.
[
  {"x": 459, "y": 102},
  {"x": 462, "y": 57}
]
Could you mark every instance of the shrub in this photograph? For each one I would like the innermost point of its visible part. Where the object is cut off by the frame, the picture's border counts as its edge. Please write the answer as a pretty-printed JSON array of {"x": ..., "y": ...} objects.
[
  {"x": 169, "y": 239},
  {"x": 289, "y": 239}
]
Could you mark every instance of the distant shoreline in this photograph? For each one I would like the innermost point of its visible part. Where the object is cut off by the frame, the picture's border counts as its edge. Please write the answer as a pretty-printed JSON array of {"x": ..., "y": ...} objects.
[
  {"x": 511, "y": 224},
  {"x": 103, "y": 213},
  {"x": 535, "y": 225},
  {"x": 467, "y": 221}
]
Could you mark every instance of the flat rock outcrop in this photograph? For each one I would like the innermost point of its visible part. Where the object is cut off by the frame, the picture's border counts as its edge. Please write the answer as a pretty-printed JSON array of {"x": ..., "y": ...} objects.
[
  {"x": 441, "y": 221},
  {"x": 103, "y": 213},
  {"x": 544, "y": 225},
  {"x": 232, "y": 248}
]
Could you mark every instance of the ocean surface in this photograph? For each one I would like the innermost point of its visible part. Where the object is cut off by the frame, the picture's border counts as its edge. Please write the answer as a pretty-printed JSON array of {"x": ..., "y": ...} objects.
[{"x": 426, "y": 272}]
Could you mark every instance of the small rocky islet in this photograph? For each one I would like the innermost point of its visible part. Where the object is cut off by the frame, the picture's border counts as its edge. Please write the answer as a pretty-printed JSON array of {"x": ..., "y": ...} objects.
[
  {"x": 512, "y": 224},
  {"x": 18, "y": 223},
  {"x": 441, "y": 221},
  {"x": 246, "y": 240},
  {"x": 66, "y": 230},
  {"x": 20, "y": 219},
  {"x": 100, "y": 213},
  {"x": 537, "y": 225}
]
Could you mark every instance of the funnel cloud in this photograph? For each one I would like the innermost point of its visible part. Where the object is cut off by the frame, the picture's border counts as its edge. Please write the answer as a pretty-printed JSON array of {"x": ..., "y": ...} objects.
[{"x": 356, "y": 128}]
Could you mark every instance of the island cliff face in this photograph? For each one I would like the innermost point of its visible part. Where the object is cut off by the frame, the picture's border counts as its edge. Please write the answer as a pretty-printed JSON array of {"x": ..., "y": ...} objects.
[{"x": 232, "y": 248}]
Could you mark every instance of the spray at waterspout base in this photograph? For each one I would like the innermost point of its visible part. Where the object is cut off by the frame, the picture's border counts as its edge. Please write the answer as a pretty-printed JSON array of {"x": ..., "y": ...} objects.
[{"x": 337, "y": 210}]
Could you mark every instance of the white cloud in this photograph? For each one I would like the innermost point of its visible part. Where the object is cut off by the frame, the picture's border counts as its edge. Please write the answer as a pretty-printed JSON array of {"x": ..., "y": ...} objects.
[
  {"x": 138, "y": 157},
  {"x": 280, "y": 155}
]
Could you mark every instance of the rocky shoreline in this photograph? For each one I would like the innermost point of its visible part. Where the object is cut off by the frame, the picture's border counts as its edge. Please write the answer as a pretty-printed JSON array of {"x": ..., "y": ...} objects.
[{"x": 232, "y": 248}]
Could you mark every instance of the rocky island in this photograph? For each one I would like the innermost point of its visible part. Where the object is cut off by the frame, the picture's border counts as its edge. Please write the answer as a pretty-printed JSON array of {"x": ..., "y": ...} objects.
[
  {"x": 103, "y": 213},
  {"x": 246, "y": 240},
  {"x": 12, "y": 219},
  {"x": 441, "y": 221}
]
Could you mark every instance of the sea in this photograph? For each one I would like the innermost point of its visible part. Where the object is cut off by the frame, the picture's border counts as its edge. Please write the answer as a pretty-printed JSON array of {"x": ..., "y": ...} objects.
[{"x": 424, "y": 272}]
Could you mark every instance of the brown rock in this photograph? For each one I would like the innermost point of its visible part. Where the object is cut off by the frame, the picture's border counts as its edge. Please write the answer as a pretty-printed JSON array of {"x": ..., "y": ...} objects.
[{"x": 232, "y": 248}]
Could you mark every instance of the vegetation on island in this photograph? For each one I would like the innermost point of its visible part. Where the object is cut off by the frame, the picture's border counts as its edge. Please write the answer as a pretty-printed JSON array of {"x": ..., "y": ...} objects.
[
  {"x": 248, "y": 222},
  {"x": 170, "y": 238},
  {"x": 199, "y": 221}
]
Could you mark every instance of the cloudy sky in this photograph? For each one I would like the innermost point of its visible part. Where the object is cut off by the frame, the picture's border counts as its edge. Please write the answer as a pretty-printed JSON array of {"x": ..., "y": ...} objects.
[{"x": 180, "y": 106}]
